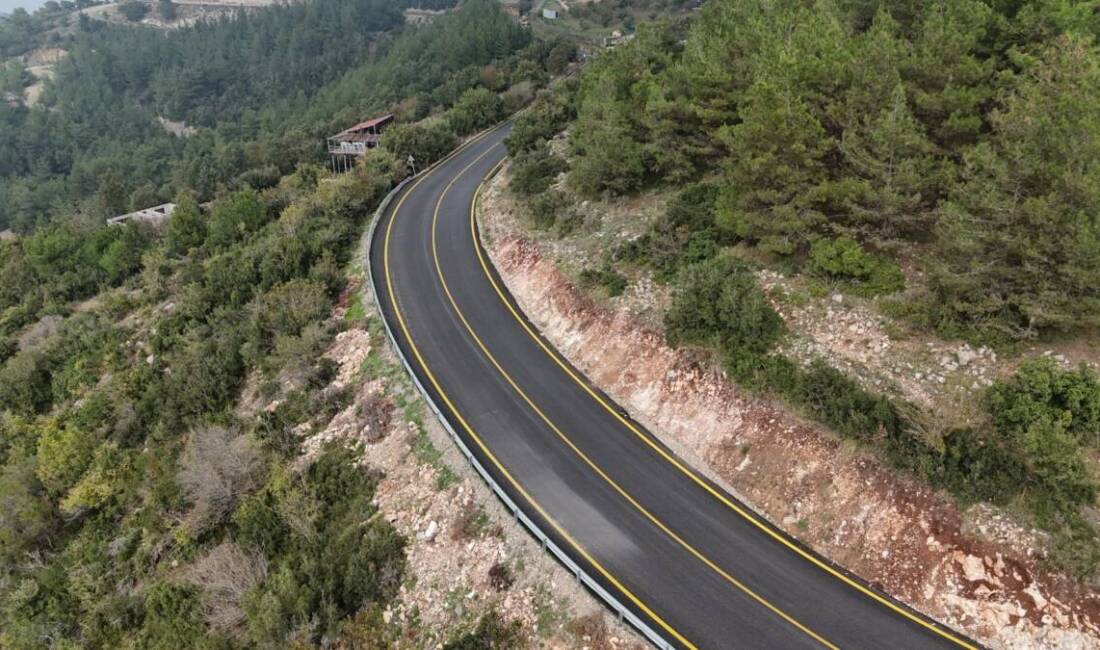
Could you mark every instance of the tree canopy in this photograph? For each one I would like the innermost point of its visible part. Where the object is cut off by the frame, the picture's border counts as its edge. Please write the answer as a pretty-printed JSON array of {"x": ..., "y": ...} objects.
[
  {"x": 962, "y": 130},
  {"x": 262, "y": 88}
]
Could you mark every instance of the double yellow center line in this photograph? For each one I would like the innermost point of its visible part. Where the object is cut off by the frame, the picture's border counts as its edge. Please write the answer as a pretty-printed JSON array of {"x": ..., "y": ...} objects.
[
  {"x": 573, "y": 447},
  {"x": 485, "y": 449}
]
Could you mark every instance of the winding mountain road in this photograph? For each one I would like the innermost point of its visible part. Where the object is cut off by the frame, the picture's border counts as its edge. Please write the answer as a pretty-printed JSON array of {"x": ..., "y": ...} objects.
[{"x": 686, "y": 557}]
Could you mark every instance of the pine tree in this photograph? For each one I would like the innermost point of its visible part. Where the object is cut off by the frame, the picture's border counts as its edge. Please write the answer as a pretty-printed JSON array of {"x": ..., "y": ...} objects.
[
  {"x": 776, "y": 157},
  {"x": 1022, "y": 231},
  {"x": 950, "y": 73},
  {"x": 892, "y": 158}
]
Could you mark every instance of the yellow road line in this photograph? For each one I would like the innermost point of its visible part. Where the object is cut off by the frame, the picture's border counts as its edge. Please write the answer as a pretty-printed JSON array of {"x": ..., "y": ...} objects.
[
  {"x": 481, "y": 445},
  {"x": 588, "y": 461},
  {"x": 691, "y": 473}
]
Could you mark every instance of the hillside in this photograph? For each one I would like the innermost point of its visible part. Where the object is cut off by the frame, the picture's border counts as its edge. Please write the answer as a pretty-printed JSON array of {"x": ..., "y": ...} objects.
[
  {"x": 263, "y": 88},
  {"x": 843, "y": 257},
  {"x": 881, "y": 217},
  {"x": 203, "y": 442}
]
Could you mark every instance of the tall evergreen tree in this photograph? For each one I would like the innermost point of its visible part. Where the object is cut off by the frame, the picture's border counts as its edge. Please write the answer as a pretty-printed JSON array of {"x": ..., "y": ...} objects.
[{"x": 1022, "y": 231}]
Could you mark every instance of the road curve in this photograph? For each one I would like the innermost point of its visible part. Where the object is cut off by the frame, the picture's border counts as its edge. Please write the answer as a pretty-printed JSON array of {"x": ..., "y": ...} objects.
[{"x": 681, "y": 553}]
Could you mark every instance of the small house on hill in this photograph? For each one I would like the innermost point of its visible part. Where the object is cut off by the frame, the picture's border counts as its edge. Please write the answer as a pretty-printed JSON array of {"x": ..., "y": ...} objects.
[{"x": 349, "y": 144}]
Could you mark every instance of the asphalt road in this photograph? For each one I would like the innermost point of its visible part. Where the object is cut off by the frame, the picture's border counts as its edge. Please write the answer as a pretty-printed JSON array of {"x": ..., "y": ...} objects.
[{"x": 683, "y": 554}]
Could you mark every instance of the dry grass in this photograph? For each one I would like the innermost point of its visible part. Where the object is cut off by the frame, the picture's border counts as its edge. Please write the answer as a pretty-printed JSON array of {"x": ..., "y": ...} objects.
[
  {"x": 374, "y": 416},
  {"x": 591, "y": 630},
  {"x": 45, "y": 328},
  {"x": 223, "y": 576},
  {"x": 217, "y": 467}
]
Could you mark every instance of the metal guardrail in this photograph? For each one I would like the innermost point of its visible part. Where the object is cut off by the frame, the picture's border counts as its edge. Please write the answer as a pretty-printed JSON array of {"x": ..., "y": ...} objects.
[{"x": 624, "y": 613}]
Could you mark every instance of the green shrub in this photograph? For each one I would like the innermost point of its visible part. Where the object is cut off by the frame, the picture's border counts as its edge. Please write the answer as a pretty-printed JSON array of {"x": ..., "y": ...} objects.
[
  {"x": 167, "y": 10},
  {"x": 207, "y": 371},
  {"x": 475, "y": 109},
  {"x": 762, "y": 372},
  {"x": 701, "y": 246},
  {"x": 257, "y": 523},
  {"x": 427, "y": 143},
  {"x": 685, "y": 234},
  {"x": 335, "y": 559},
  {"x": 546, "y": 208},
  {"x": 1076, "y": 548},
  {"x": 25, "y": 382},
  {"x": 840, "y": 402},
  {"x": 64, "y": 453},
  {"x": 234, "y": 218},
  {"x": 1057, "y": 467},
  {"x": 122, "y": 248},
  {"x": 260, "y": 178},
  {"x": 1045, "y": 414},
  {"x": 1042, "y": 389},
  {"x": 186, "y": 228},
  {"x": 720, "y": 304},
  {"x": 26, "y": 518},
  {"x": 845, "y": 260},
  {"x": 692, "y": 208},
  {"x": 547, "y": 116},
  {"x": 607, "y": 277},
  {"x": 977, "y": 469},
  {"x": 534, "y": 171},
  {"x": 133, "y": 10},
  {"x": 288, "y": 309},
  {"x": 171, "y": 620}
]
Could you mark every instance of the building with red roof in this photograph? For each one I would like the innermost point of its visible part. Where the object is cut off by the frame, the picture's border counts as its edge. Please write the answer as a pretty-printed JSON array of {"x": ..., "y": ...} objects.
[{"x": 349, "y": 144}]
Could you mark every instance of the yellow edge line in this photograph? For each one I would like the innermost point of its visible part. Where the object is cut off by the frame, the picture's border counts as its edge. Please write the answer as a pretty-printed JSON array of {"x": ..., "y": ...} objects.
[
  {"x": 588, "y": 461},
  {"x": 477, "y": 439},
  {"x": 686, "y": 471}
]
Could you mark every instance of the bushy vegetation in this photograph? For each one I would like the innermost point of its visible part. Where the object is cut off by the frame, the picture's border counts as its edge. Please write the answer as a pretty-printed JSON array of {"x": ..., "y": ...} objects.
[
  {"x": 547, "y": 116},
  {"x": 684, "y": 234},
  {"x": 844, "y": 260},
  {"x": 327, "y": 556},
  {"x": 121, "y": 457},
  {"x": 841, "y": 134},
  {"x": 474, "y": 110},
  {"x": 263, "y": 88},
  {"x": 426, "y": 143},
  {"x": 1050, "y": 416},
  {"x": 721, "y": 305},
  {"x": 535, "y": 170},
  {"x": 606, "y": 277},
  {"x": 1042, "y": 420},
  {"x": 133, "y": 10},
  {"x": 138, "y": 506}
]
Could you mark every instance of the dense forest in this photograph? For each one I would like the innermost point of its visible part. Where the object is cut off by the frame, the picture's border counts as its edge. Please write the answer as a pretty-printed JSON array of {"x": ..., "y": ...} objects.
[
  {"x": 22, "y": 31},
  {"x": 961, "y": 131},
  {"x": 262, "y": 87},
  {"x": 942, "y": 157},
  {"x": 140, "y": 506}
]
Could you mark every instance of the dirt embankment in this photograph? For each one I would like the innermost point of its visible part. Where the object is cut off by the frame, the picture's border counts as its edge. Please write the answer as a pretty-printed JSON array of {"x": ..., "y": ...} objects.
[{"x": 975, "y": 570}]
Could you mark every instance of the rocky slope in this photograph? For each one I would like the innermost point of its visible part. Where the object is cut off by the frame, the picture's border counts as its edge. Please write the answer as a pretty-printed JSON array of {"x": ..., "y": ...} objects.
[{"x": 466, "y": 556}]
